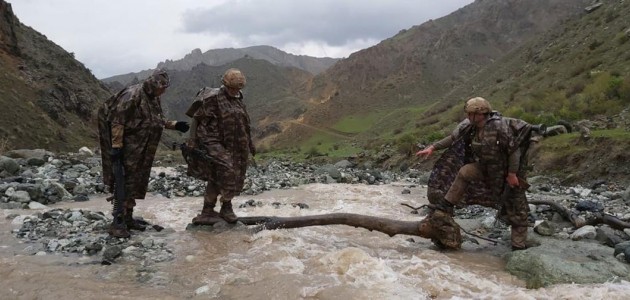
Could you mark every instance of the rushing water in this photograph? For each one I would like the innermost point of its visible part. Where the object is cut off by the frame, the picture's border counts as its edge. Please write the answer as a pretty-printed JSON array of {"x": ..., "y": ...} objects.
[{"x": 324, "y": 262}]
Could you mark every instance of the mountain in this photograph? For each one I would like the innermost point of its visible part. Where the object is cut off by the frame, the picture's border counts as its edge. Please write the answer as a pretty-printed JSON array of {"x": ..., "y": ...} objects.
[
  {"x": 47, "y": 96},
  {"x": 420, "y": 65},
  {"x": 270, "y": 93},
  {"x": 219, "y": 57}
]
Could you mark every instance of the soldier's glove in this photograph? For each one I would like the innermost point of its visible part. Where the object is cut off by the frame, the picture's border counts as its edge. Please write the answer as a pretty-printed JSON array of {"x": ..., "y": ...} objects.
[
  {"x": 182, "y": 126},
  {"x": 116, "y": 154}
]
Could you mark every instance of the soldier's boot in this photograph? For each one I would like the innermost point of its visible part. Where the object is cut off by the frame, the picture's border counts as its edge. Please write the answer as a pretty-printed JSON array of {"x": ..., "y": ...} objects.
[
  {"x": 441, "y": 228},
  {"x": 208, "y": 216},
  {"x": 118, "y": 228},
  {"x": 227, "y": 213},
  {"x": 519, "y": 239},
  {"x": 133, "y": 224}
]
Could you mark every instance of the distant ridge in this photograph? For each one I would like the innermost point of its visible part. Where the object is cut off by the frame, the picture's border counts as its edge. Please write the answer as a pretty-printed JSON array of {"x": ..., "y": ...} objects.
[{"x": 218, "y": 57}]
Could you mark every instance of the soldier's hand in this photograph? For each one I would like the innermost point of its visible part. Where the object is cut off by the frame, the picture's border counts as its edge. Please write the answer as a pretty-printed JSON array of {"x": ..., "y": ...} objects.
[
  {"x": 425, "y": 152},
  {"x": 512, "y": 180},
  {"x": 182, "y": 126},
  {"x": 116, "y": 154}
]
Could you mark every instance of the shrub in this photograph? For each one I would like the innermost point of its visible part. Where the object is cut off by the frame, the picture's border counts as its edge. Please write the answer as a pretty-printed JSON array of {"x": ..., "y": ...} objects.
[{"x": 575, "y": 89}]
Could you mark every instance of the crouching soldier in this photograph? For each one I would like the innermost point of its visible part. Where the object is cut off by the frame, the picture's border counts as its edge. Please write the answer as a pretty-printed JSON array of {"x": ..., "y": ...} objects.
[{"x": 485, "y": 163}]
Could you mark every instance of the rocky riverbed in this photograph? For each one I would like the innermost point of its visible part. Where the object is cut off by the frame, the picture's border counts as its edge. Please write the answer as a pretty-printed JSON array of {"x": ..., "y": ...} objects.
[{"x": 36, "y": 179}]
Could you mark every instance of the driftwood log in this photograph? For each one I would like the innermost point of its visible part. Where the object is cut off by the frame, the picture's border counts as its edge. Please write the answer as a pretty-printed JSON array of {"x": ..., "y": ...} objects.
[
  {"x": 393, "y": 227},
  {"x": 384, "y": 225},
  {"x": 577, "y": 221}
]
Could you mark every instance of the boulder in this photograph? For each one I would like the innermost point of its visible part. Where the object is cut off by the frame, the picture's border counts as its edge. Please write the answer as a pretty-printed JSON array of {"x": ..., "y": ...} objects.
[
  {"x": 29, "y": 153},
  {"x": 563, "y": 261},
  {"x": 9, "y": 165}
]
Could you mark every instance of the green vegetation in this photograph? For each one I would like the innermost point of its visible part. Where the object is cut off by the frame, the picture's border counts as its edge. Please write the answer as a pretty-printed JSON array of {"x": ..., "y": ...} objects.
[{"x": 356, "y": 123}]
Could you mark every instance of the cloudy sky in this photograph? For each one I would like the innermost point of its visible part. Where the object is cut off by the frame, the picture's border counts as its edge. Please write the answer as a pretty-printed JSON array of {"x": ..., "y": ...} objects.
[{"x": 114, "y": 37}]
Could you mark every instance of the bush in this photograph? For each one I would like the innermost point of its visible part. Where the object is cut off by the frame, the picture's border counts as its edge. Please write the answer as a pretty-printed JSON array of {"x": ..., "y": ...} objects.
[
  {"x": 312, "y": 152},
  {"x": 406, "y": 144}
]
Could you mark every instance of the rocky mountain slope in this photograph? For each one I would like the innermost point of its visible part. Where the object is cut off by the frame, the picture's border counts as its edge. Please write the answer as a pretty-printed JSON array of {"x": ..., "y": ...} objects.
[
  {"x": 419, "y": 65},
  {"x": 219, "y": 57},
  {"x": 270, "y": 94},
  {"x": 47, "y": 96}
]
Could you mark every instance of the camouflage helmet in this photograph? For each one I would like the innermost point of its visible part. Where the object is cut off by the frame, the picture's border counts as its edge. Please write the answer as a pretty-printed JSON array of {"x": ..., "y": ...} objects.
[
  {"x": 233, "y": 78},
  {"x": 159, "y": 79},
  {"x": 477, "y": 105}
]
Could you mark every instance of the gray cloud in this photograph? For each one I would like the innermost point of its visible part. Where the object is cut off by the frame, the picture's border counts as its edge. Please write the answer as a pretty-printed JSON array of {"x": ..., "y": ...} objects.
[
  {"x": 331, "y": 21},
  {"x": 114, "y": 37}
]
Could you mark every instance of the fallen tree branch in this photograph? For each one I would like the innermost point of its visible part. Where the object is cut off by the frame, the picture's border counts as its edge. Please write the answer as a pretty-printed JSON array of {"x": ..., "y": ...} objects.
[
  {"x": 610, "y": 220},
  {"x": 387, "y": 226},
  {"x": 572, "y": 217},
  {"x": 577, "y": 221}
]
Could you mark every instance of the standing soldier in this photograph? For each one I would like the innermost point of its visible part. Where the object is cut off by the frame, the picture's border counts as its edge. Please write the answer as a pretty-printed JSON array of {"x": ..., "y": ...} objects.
[
  {"x": 486, "y": 164},
  {"x": 219, "y": 146},
  {"x": 130, "y": 124}
]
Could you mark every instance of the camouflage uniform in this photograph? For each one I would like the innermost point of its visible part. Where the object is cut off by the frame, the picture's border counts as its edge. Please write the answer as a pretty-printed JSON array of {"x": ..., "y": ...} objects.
[
  {"x": 219, "y": 147},
  {"x": 133, "y": 121},
  {"x": 473, "y": 170}
]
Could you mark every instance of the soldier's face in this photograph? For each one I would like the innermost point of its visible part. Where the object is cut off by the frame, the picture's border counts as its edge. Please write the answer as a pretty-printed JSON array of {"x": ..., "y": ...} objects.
[
  {"x": 477, "y": 119},
  {"x": 233, "y": 92},
  {"x": 159, "y": 91}
]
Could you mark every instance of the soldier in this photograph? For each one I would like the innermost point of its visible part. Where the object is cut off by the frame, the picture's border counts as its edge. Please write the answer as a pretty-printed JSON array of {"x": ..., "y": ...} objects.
[
  {"x": 219, "y": 146},
  {"x": 130, "y": 124},
  {"x": 485, "y": 164}
]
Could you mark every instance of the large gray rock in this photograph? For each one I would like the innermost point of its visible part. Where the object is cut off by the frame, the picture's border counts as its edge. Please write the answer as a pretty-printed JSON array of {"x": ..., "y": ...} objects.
[
  {"x": 564, "y": 261},
  {"x": 9, "y": 165},
  {"x": 29, "y": 153}
]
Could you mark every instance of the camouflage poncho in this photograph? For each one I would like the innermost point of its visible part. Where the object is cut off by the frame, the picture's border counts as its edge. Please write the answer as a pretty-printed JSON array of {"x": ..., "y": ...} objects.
[
  {"x": 502, "y": 136},
  {"x": 141, "y": 114},
  {"x": 221, "y": 130}
]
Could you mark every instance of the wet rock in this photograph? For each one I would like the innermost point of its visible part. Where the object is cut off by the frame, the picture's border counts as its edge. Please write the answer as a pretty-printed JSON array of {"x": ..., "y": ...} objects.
[
  {"x": 589, "y": 206},
  {"x": 544, "y": 228},
  {"x": 568, "y": 262},
  {"x": 20, "y": 196},
  {"x": 9, "y": 165},
  {"x": 300, "y": 205},
  {"x": 608, "y": 236},
  {"x": 621, "y": 247},
  {"x": 585, "y": 232},
  {"x": 111, "y": 253}
]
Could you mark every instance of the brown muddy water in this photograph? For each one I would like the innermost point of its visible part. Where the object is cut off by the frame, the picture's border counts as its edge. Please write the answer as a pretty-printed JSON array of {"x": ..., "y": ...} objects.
[{"x": 325, "y": 262}]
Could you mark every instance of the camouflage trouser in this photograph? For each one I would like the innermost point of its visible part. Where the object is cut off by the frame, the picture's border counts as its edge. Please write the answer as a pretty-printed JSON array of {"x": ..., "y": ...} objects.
[
  {"x": 211, "y": 195},
  {"x": 515, "y": 211},
  {"x": 466, "y": 174}
]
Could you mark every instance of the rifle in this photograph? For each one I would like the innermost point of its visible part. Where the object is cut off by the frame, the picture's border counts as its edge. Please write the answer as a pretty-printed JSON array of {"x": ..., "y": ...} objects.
[{"x": 119, "y": 188}]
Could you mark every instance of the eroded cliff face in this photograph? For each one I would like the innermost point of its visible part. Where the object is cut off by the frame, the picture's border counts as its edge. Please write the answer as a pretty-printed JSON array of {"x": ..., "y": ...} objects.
[
  {"x": 48, "y": 97},
  {"x": 8, "y": 39}
]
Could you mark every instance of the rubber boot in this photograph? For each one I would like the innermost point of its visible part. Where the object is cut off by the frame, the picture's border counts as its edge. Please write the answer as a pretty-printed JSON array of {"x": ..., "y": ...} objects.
[
  {"x": 132, "y": 224},
  {"x": 227, "y": 213},
  {"x": 208, "y": 216}
]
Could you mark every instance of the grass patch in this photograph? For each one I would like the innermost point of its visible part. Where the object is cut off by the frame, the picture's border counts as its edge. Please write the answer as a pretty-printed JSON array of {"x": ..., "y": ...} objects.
[{"x": 356, "y": 124}]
